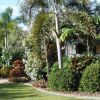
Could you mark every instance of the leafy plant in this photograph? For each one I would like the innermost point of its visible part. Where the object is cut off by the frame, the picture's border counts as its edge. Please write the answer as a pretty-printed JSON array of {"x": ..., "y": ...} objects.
[
  {"x": 4, "y": 71},
  {"x": 80, "y": 63},
  {"x": 62, "y": 80},
  {"x": 17, "y": 74},
  {"x": 90, "y": 81}
]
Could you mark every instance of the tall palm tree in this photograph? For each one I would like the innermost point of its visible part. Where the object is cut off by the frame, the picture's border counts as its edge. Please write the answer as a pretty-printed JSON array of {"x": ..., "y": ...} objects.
[{"x": 5, "y": 23}]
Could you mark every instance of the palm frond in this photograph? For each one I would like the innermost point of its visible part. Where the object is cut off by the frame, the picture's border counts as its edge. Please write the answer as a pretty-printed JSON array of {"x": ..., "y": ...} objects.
[{"x": 66, "y": 32}]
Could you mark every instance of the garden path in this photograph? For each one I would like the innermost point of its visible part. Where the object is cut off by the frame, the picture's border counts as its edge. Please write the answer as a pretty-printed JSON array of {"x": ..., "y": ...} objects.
[{"x": 3, "y": 80}]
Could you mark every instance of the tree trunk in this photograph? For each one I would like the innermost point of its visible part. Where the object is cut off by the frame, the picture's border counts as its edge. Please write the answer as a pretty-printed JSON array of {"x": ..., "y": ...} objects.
[
  {"x": 88, "y": 48},
  {"x": 59, "y": 53},
  {"x": 58, "y": 42},
  {"x": 5, "y": 41}
]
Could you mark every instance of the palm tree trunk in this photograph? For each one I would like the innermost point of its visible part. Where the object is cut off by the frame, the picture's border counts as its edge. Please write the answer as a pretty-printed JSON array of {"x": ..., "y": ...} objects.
[
  {"x": 88, "y": 48},
  {"x": 59, "y": 53},
  {"x": 5, "y": 41},
  {"x": 58, "y": 43}
]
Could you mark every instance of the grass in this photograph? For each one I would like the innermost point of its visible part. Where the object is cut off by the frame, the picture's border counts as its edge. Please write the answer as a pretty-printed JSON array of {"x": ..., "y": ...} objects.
[{"x": 23, "y": 92}]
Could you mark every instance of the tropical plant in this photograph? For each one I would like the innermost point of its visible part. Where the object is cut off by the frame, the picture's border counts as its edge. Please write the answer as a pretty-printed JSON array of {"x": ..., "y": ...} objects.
[{"x": 5, "y": 24}]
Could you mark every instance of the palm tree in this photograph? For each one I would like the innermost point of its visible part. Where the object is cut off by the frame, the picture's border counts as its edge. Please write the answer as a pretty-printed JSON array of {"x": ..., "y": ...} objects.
[{"x": 5, "y": 24}]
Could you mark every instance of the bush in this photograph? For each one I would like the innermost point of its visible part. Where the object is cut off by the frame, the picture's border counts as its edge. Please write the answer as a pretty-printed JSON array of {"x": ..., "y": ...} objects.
[
  {"x": 40, "y": 84},
  {"x": 4, "y": 71},
  {"x": 61, "y": 80},
  {"x": 66, "y": 62},
  {"x": 17, "y": 74},
  {"x": 90, "y": 81},
  {"x": 78, "y": 64}
]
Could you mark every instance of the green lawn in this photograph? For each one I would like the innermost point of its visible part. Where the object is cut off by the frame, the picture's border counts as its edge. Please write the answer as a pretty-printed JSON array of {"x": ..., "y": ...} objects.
[{"x": 23, "y": 92}]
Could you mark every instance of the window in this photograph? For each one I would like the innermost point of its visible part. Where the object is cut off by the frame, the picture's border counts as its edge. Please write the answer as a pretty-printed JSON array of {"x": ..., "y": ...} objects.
[
  {"x": 80, "y": 48},
  {"x": 97, "y": 49}
]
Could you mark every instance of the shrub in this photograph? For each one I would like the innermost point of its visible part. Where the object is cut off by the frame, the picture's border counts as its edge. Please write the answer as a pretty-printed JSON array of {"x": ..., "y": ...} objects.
[
  {"x": 40, "y": 84},
  {"x": 61, "y": 80},
  {"x": 66, "y": 62},
  {"x": 18, "y": 70},
  {"x": 4, "y": 71},
  {"x": 78, "y": 64},
  {"x": 90, "y": 81},
  {"x": 17, "y": 74}
]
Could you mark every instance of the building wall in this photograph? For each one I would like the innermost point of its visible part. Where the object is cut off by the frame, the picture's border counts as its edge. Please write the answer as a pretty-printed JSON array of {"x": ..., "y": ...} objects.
[{"x": 70, "y": 50}]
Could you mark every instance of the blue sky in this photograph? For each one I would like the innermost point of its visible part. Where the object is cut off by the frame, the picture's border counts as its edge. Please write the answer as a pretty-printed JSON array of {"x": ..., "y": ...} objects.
[
  {"x": 9, "y": 3},
  {"x": 13, "y": 4}
]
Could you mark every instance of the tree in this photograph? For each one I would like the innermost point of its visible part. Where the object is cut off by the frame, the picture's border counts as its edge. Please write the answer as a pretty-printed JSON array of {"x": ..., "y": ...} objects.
[
  {"x": 5, "y": 24},
  {"x": 81, "y": 21},
  {"x": 45, "y": 6},
  {"x": 11, "y": 35}
]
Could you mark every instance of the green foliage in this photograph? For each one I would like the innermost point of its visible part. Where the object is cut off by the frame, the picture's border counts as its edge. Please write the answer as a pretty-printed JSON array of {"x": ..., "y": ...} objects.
[
  {"x": 90, "y": 81},
  {"x": 17, "y": 55},
  {"x": 36, "y": 38},
  {"x": 98, "y": 36},
  {"x": 55, "y": 67},
  {"x": 66, "y": 32},
  {"x": 61, "y": 80},
  {"x": 4, "y": 71},
  {"x": 78, "y": 64},
  {"x": 83, "y": 23},
  {"x": 41, "y": 73},
  {"x": 96, "y": 19},
  {"x": 66, "y": 62}
]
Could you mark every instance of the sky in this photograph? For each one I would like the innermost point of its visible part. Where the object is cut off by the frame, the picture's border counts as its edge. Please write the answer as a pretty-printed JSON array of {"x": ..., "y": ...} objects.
[
  {"x": 10, "y": 3},
  {"x": 14, "y": 5}
]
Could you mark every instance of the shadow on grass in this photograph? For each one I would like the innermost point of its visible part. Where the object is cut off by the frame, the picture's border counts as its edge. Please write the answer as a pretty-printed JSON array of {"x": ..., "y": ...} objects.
[
  {"x": 19, "y": 91},
  {"x": 11, "y": 91}
]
